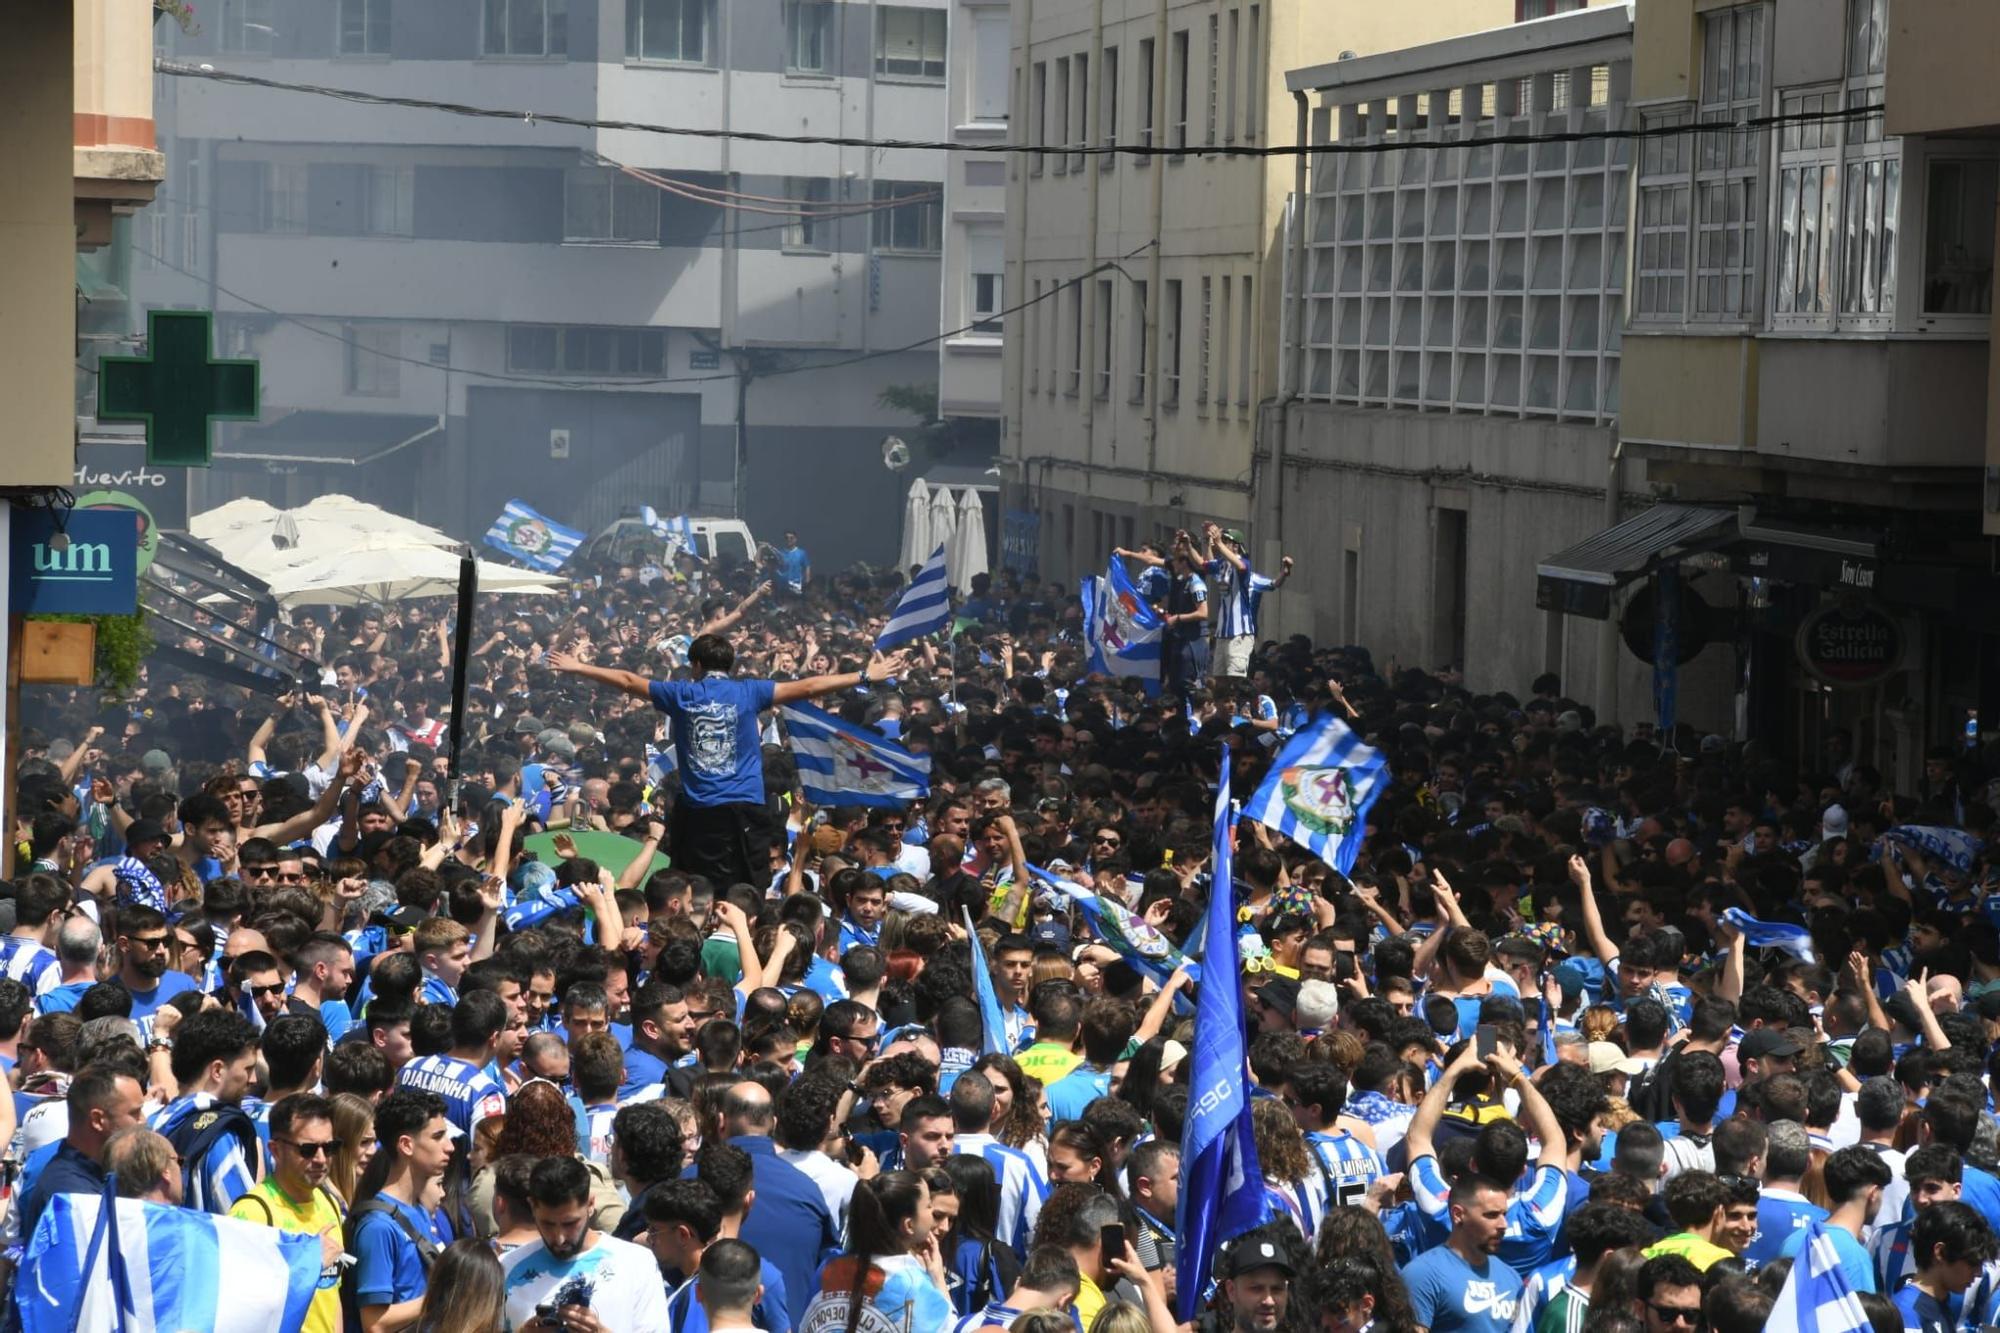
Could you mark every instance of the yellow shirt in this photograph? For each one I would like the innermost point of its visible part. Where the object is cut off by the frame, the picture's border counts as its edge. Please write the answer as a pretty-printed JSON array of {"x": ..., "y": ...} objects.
[
  {"x": 1047, "y": 1061},
  {"x": 1691, "y": 1247},
  {"x": 269, "y": 1206},
  {"x": 1089, "y": 1301}
]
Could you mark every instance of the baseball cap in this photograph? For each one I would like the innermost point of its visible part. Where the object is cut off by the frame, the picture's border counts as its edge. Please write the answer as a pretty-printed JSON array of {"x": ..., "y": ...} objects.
[
  {"x": 1173, "y": 1052},
  {"x": 155, "y": 761},
  {"x": 1762, "y": 1042},
  {"x": 1050, "y": 935},
  {"x": 1987, "y": 1004},
  {"x": 1608, "y": 1057},
  {"x": 1235, "y": 536},
  {"x": 145, "y": 830},
  {"x": 1281, "y": 994},
  {"x": 397, "y": 918},
  {"x": 1833, "y": 824},
  {"x": 1247, "y": 1256},
  {"x": 526, "y": 723}
]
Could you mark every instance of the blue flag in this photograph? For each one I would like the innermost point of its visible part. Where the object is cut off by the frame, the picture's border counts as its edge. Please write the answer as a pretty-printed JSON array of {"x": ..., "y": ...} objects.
[
  {"x": 1953, "y": 846},
  {"x": 1123, "y": 632},
  {"x": 1222, "y": 1187},
  {"x": 1817, "y": 1297},
  {"x": 842, "y": 764},
  {"x": 96, "y": 1263},
  {"x": 1319, "y": 791},
  {"x": 524, "y": 535},
  {"x": 924, "y": 608},
  {"x": 1794, "y": 939},
  {"x": 992, "y": 1018}
]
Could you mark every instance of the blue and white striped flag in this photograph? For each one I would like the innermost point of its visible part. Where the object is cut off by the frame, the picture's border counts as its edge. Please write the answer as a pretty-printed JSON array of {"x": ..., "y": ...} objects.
[
  {"x": 924, "y": 608},
  {"x": 1953, "y": 846},
  {"x": 1817, "y": 1297},
  {"x": 1794, "y": 940},
  {"x": 1121, "y": 628},
  {"x": 992, "y": 1018},
  {"x": 1319, "y": 791},
  {"x": 1222, "y": 1185},
  {"x": 134, "y": 1267},
  {"x": 531, "y": 538},
  {"x": 842, "y": 764},
  {"x": 676, "y": 532},
  {"x": 1149, "y": 952}
]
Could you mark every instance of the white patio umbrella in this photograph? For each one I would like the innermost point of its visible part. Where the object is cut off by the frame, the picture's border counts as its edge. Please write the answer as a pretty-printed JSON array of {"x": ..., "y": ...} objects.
[
  {"x": 944, "y": 522},
  {"x": 383, "y": 572},
  {"x": 967, "y": 554},
  {"x": 270, "y": 542},
  {"x": 917, "y": 543}
]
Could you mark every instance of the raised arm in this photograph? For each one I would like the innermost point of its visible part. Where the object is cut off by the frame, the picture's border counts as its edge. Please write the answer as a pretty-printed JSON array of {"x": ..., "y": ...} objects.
[
  {"x": 254, "y": 752},
  {"x": 330, "y": 743},
  {"x": 1593, "y": 920},
  {"x": 303, "y": 823},
  {"x": 1535, "y": 1110},
  {"x": 727, "y": 620},
  {"x": 1146, "y": 558},
  {"x": 635, "y": 871},
  {"x": 1285, "y": 564},
  {"x": 879, "y": 669},
  {"x": 1423, "y": 1125},
  {"x": 626, "y": 682}
]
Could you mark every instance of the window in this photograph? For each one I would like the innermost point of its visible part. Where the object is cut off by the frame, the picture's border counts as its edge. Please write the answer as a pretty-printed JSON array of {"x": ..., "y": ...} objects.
[
  {"x": 1038, "y": 113},
  {"x": 1959, "y": 203},
  {"x": 912, "y": 227},
  {"x": 811, "y": 229},
  {"x": 1170, "y": 346},
  {"x": 246, "y": 27},
  {"x": 1177, "y": 92},
  {"x": 608, "y": 353},
  {"x": 1222, "y": 348},
  {"x": 1214, "y": 81},
  {"x": 528, "y": 28},
  {"x": 1248, "y": 340},
  {"x": 1059, "y": 130},
  {"x": 1235, "y": 57},
  {"x": 990, "y": 38},
  {"x": 370, "y": 371},
  {"x": 986, "y": 303},
  {"x": 669, "y": 30},
  {"x": 1204, "y": 346},
  {"x": 1541, "y": 9},
  {"x": 1107, "y": 102},
  {"x": 388, "y": 196},
  {"x": 1699, "y": 203},
  {"x": 364, "y": 27},
  {"x": 808, "y": 35},
  {"x": 909, "y": 43},
  {"x": 1073, "y": 382},
  {"x": 1101, "y": 316},
  {"x": 1080, "y": 115},
  {"x": 602, "y": 205},
  {"x": 1145, "y": 92},
  {"x": 1839, "y": 185},
  {"x": 285, "y": 197},
  {"x": 1137, "y": 338},
  {"x": 1254, "y": 60}
]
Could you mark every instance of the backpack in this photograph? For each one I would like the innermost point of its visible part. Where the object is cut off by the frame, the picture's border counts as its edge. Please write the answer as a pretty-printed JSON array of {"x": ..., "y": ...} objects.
[
  {"x": 427, "y": 1251},
  {"x": 999, "y": 1270},
  {"x": 195, "y": 1134}
]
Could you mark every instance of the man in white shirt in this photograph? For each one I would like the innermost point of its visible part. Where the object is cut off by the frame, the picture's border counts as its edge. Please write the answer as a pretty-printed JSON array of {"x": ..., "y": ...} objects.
[
  {"x": 575, "y": 1277},
  {"x": 805, "y": 1119}
]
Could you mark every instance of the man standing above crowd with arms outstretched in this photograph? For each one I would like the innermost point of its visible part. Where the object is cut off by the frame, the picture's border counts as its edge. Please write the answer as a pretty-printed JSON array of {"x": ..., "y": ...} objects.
[{"x": 720, "y": 826}]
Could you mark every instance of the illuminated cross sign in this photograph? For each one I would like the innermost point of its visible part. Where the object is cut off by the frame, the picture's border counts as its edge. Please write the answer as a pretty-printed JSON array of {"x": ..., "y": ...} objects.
[{"x": 178, "y": 389}]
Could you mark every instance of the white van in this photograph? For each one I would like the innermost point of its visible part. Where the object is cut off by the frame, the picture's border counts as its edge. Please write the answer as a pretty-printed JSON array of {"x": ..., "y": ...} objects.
[{"x": 724, "y": 540}]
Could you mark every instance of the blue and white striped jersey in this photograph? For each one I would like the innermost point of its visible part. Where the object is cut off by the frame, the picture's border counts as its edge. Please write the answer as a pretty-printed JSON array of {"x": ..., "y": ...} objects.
[
  {"x": 470, "y": 1093},
  {"x": 1344, "y": 1168},
  {"x": 1237, "y": 596},
  {"x": 28, "y": 962},
  {"x": 1533, "y": 1217},
  {"x": 226, "y": 1176},
  {"x": 1022, "y": 1188}
]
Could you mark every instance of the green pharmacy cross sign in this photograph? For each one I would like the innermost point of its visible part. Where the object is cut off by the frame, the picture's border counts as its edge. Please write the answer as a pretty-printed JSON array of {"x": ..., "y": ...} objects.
[{"x": 177, "y": 390}]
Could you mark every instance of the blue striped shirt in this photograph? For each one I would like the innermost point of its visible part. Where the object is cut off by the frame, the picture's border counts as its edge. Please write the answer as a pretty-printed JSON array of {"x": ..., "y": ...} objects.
[
  {"x": 1344, "y": 1169},
  {"x": 1022, "y": 1188},
  {"x": 1534, "y": 1215},
  {"x": 1238, "y": 594},
  {"x": 222, "y": 1179},
  {"x": 469, "y": 1092},
  {"x": 26, "y": 961}
]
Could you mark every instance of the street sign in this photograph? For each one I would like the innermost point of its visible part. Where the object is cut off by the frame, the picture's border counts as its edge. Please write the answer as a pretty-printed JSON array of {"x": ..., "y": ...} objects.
[
  {"x": 86, "y": 565},
  {"x": 178, "y": 389}
]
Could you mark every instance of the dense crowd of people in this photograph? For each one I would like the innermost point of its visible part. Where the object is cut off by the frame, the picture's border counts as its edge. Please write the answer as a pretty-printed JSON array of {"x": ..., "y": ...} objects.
[{"x": 1594, "y": 1037}]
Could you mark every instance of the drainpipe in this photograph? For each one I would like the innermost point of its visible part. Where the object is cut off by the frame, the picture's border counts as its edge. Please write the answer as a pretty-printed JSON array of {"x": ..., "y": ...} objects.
[
  {"x": 1607, "y": 631},
  {"x": 1156, "y": 294}
]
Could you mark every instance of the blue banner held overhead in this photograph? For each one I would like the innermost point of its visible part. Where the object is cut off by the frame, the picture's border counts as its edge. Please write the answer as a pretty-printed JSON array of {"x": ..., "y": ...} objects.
[{"x": 77, "y": 562}]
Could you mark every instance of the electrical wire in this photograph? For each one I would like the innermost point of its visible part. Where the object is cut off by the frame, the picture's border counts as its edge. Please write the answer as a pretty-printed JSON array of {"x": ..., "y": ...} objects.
[
  {"x": 509, "y": 377},
  {"x": 1750, "y": 124}
]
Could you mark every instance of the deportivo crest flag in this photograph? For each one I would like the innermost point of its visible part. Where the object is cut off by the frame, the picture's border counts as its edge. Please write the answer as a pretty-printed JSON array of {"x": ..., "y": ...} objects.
[
  {"x": 1123, "y": 631},
  {"x": 531, "y": 538},
  {"x": 96, "y": 1264},
  {"x": 1319, "y": 791},
  {"x": 842, "y": 764}
]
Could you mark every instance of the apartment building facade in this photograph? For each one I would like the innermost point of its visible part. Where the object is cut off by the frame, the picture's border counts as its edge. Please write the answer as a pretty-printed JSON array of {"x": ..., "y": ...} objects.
[
  {"x": 974, "y": 288},
  {"x": 454, "y": 310}
]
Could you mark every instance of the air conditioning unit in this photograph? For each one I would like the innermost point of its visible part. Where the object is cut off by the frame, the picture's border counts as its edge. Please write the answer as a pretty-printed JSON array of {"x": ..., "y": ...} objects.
[{"x": 559, "y": 443}]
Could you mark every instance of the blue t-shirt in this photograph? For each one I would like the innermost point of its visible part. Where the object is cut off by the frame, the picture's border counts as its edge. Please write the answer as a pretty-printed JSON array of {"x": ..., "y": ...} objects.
[
  {"x": 792, "y": 564},
  {"x": 771, "y": 1313},
  {"x": 1075, "y": 1090},
  {"x": 1853, "y": 1255},
  {"x": 1779, "y": 1217},
  {"x": 63, "y": 999},
  {"x": 1449, "y": 1295},
  {"x": 387, "y": 1268},
  {"x": 714, "y": 722},
  {"x": 147, "y": 1003}
]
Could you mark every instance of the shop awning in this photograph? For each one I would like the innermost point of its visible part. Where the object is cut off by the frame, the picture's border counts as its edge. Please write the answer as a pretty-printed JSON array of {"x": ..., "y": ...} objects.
[{"x": 1580, "y": 579}]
